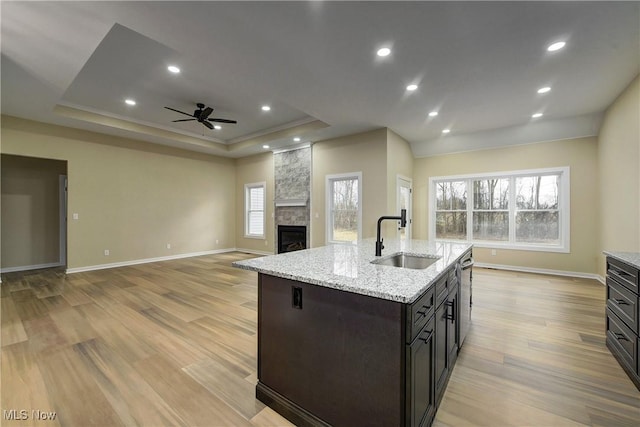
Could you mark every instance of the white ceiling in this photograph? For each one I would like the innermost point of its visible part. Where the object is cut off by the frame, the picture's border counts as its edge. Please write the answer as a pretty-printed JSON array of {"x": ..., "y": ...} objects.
[{"x": 478, "y": 63}]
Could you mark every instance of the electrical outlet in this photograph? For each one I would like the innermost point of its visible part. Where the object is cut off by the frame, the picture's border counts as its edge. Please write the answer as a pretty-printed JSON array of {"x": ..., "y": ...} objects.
[
  {"x": 217, "y": 241},
  {"x": 106, "y": 252},
  {"x": 75, "y": 216},
  {"x": 168, "y": 245},
  {"x": 493, "y": 252}
]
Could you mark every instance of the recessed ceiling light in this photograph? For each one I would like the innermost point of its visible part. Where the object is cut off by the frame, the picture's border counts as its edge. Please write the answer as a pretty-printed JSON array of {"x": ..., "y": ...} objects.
[
  {"x": 173, "y": 69},
  {"x": 266, "y": 108},
  {"x": 385, "y": 51},
  {"x": 433, "y": 114},
  {"x": 544, "y": 89},
  {"x": 536, "y": 115},
  {"x": 130, "y": 102},
  {"x": 265, "y": 146},
  {"x": 556, "y": 46},
  {"x": 217, "y": 127},
  {"x": 296, "y": 139},
  {"x": 446, "y": 130},
  {"x": 412, "y": 87}
]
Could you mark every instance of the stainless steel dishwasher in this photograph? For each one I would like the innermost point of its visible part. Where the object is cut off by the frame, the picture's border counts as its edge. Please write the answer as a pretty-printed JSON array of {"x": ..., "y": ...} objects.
[{"x": 465, "y": 271}]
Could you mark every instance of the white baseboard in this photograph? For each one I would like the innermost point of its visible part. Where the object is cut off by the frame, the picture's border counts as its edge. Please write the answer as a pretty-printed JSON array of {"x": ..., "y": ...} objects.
[
  {"x": 30, "y": 267},
  {"x": 541, "y": 271},
  {"x": 146, "y": 260},
  {"x": 252, "y": 251}
]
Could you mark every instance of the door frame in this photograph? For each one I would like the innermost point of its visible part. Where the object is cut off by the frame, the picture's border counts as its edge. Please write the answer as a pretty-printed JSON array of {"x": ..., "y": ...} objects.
[{"x": 62, "y": 198}]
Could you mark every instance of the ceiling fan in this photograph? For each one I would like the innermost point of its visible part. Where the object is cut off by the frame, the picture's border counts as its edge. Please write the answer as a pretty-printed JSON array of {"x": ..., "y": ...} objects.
[{"x": 201, "y": 115}]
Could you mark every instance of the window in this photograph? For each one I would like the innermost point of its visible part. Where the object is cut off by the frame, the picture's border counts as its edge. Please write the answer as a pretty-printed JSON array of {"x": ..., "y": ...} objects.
[
  {"x": 517, "y": 210},
  {"x": 344, "y": 203},
  {"x": 254, "y": 209}
]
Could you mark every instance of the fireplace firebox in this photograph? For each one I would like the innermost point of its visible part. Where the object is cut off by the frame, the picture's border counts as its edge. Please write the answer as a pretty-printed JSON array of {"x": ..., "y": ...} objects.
[{"x": 292, "y": 238}]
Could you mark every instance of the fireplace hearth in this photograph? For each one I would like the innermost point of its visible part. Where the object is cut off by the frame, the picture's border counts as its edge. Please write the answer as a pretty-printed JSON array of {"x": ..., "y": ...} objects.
[{"x": 292, "y": 238}]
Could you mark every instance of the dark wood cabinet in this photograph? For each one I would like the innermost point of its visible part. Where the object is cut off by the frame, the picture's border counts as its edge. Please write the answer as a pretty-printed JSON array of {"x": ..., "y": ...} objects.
[
  {"x": 622, "y": 316},
  {"x": 420, "y": 392},
  {"x": 330, "y": 357},
  {"x": 446, "y": 346}
]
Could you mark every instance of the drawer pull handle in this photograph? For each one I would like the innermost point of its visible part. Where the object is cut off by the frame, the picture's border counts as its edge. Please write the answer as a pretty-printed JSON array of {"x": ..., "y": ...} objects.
[
  {"x": 428, "y": 336},
  {"x": 620, "y": 273},
  {"x": 620, "y": 301},
  {"x": 620, "y": 336},
  {"x": 423, "y": 310}
]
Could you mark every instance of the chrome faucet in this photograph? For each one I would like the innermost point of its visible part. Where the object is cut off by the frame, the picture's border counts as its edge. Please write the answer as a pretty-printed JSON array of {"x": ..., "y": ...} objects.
[{"x": 403, "y": 223}]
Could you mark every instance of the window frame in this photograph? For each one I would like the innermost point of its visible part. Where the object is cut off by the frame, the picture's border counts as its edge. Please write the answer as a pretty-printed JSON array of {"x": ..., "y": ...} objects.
[
  {"x": 247, "y": 211},
  {"x": 329, "y": 179},
  {"x": 564, "y": 209}
]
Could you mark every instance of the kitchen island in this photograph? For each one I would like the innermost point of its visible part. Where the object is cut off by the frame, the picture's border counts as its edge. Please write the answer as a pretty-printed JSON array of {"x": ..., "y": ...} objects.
[{"x": 344, "y": 341}]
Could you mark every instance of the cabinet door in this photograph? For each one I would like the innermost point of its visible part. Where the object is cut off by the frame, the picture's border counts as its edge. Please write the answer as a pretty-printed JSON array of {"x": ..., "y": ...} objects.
[
  {"x": 421, "y": 393},
  {"x": 441, "y": 350}
]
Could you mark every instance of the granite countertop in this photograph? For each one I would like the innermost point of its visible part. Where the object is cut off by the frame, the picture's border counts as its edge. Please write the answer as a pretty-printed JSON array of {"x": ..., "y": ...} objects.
[
  {"x": 632, "y": 258},
  {"x": 348, "y": 267}
]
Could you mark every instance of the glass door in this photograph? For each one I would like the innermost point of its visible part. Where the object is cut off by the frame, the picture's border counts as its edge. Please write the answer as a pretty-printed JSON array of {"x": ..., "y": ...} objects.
[{"x": 404, "y": 192}]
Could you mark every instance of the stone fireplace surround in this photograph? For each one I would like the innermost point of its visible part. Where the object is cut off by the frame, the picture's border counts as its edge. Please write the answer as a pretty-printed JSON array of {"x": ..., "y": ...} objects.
[{"x": 292, "y": 173}]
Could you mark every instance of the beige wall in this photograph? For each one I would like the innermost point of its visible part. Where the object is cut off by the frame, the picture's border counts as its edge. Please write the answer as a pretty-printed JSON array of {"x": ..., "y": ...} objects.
[
  {"x": 619, "y": 174},
  {"x": 30, "y": 216},
  {"x": 258, "y": 168},
  {"x": 133, "y": 197},
  {"x": 364, "y": 152},
  {"x": 579, "y": 154}
]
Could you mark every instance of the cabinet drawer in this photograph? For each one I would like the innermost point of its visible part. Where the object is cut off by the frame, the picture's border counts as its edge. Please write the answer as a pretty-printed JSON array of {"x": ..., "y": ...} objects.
[
  {"x": 419, "y": 312},
  {"x": 441, "y": 289},
  {"x": 623, "y": 273},
  {"x": 623, "y": 340},
  {"x": 624, "y": 303}
]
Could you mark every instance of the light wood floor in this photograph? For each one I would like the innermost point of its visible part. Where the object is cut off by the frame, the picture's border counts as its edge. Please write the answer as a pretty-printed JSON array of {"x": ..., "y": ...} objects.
[{"x": 174, "y": 343}]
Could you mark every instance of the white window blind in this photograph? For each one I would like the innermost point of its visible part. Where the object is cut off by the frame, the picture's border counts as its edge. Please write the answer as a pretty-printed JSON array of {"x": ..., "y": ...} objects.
[{"x": 254, "y": 210}]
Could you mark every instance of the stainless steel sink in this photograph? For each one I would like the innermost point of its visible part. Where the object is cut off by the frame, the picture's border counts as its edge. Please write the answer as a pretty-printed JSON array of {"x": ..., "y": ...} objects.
[{"x": 403, "y": 260}]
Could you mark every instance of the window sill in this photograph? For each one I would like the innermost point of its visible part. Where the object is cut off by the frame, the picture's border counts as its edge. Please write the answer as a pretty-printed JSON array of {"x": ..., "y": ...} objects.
[
  {"x": 511, "y": 246},
  {"x": 254, "y": 236}
]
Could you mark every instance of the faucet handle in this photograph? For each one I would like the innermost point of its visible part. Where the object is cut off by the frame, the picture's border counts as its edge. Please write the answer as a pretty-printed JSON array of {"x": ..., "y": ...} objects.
[{"x": 381, "y": 243}]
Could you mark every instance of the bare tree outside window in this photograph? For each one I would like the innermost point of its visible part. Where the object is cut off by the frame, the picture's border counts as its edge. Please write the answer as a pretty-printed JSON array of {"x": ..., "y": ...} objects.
[
  {"x": 537, "y": 214},
  {"x": 451, "y": 210},
  {"x": 491, "y": 209},
  {"x": 344, "y": 209},
  {"x": 520, "y": 209}
]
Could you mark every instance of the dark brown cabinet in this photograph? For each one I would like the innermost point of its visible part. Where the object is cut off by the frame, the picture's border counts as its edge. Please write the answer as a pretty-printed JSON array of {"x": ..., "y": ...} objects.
[
  {"x": 330, "y": 357},
  {"x": 420, "y": 379},
  {"x": 446, "y": 346},
  {"x": 622, "y": 316}
]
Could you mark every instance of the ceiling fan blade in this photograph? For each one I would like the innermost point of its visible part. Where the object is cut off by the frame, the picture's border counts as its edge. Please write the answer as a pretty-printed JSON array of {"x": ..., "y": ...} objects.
[
  {"x": 178, "y": 111},
  {"x": 207, "y": 124},
  {"x": 205, "y": 113},
  {"x": 222, "y": 120},
  {"x": 183, "y": 120}
]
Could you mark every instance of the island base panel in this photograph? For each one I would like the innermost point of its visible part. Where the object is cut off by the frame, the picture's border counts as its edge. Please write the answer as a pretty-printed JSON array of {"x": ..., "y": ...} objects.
[{"x": 339, "y": 357}]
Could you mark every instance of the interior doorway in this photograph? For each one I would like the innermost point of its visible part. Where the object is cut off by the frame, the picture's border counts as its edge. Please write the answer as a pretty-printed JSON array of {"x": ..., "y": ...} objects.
[
  {"x": 33, "y": 213},
  {"x": 405, "y": 199}
]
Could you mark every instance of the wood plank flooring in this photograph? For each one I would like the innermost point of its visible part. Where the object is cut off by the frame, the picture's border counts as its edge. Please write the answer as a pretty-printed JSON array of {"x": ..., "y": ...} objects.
[{"x": 174, "y": 344}]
